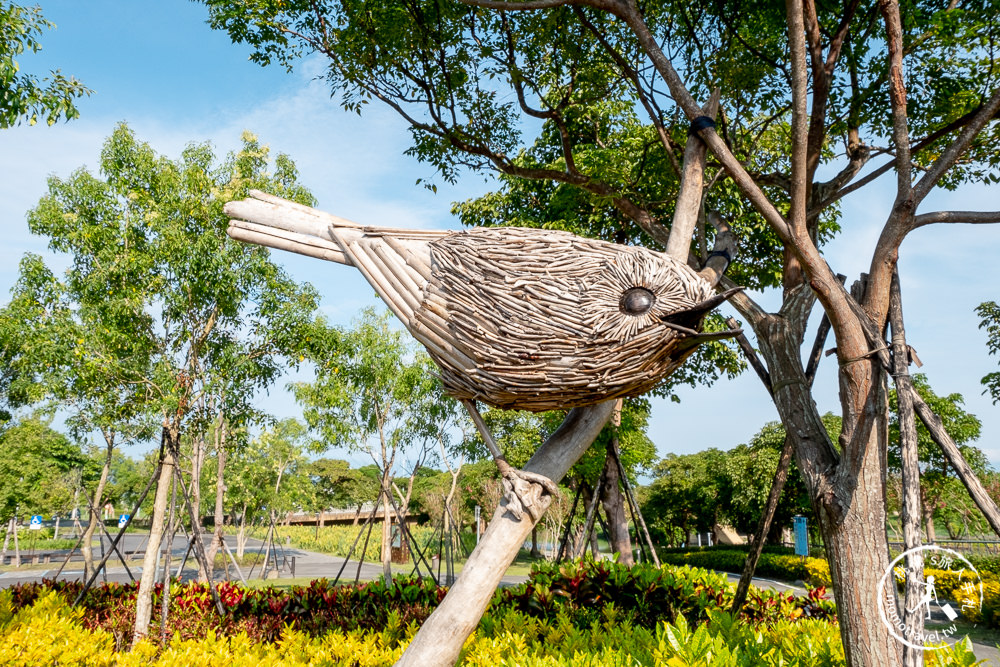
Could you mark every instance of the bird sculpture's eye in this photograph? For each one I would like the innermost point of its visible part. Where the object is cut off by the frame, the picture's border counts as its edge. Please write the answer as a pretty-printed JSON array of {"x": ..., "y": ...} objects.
[{"x": 636, "y": 300}]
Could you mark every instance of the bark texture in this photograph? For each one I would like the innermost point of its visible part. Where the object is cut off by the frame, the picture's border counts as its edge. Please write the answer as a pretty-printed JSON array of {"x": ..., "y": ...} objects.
[{"x": 613, "y": 501}]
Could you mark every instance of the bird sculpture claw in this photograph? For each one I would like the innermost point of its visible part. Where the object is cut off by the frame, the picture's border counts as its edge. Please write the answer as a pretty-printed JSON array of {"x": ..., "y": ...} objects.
[{"x": 523, "y": 492}]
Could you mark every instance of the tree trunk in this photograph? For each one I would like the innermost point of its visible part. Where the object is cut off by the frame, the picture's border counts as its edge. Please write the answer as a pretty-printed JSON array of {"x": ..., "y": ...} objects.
[
  {"x": 220, "y": 495},
  {"x": 535, "y": 553},
  {"x": 144, "y": 596},
  {"x": 929, "y": 529},
  {"x": 88, "y": 535},
  {"x": 241, "y": 535},
  {"x": 613, "y": 501},
  {"x": 6, "y": 541},
  {"x": 440, "y": 639},
  {"x": 386, "y": 532},
  {"x": 847, "y": 490},
  {"x": 194, "y": 492}
]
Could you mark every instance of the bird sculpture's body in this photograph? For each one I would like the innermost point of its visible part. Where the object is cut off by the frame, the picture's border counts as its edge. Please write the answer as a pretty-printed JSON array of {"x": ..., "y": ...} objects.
[{"x": 517, "y": 318}]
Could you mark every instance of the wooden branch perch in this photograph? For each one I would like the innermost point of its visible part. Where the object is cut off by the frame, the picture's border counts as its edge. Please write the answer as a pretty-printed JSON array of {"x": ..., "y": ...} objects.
[
  {"x": 692, "y": 182},
  {"x": 440, "y": 639}
]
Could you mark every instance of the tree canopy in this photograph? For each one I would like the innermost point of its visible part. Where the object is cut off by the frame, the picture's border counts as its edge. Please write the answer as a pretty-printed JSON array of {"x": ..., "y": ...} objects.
[
  {"x": 24, "y": 97},
  {"x": 39, "y": 470},
  {"x": 158, "y": 303}
]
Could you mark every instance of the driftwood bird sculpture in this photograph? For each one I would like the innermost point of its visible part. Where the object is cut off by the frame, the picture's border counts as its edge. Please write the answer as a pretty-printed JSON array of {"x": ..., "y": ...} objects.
[{"x": 516, "y": 318}]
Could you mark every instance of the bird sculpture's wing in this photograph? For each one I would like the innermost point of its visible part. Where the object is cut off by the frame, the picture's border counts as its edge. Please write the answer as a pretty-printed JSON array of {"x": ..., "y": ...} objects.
[{"x": 396, "y": 262}]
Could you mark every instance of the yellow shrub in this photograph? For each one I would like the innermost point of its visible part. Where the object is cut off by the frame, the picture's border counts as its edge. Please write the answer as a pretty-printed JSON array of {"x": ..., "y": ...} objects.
[
  {"x": 49, "y": 633},
  {"x": 970, "y": 602},
  {"x": 819, "y": 572}
]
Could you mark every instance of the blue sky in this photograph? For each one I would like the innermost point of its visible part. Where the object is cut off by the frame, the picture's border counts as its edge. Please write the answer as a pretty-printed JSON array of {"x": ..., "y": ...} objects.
[{"x": 159, "y": 67}]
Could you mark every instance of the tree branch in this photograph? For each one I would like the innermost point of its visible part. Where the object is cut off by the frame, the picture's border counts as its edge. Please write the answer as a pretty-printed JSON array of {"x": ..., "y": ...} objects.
[
  {"x": 510, "y": 6},
  {"x": 800, "y": 118},
  {"x": 691, "y": 189},
  {"x": 897, "y": 98},
  {"x": 633, "y": 76},
  {"x": 951, "y": 154},
  {"x": 917, "y": 147},
  {"x": 964, "y": 217},
  {"x": 682, "y": 96}
]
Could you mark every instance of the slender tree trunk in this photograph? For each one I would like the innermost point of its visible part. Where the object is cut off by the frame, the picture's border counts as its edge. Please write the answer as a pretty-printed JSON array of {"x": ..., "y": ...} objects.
[
  {"x": 17, "y": 546},
  {"x": 6, "y": 541},
  {"x": 194, "y": 493},
  {"x": 220, "y": 495},
  {"x": 88, "y": 535},
  {"x": 535, "y": 553},
  {"x": 613, "y": 501},
  {"x": 241, "y": 534},
  {"x": 386, "y": 533},
  {"x": 439, "y": 641},
  {"x": 144, "y": 596},
  {"x": 930, "y": 530}
]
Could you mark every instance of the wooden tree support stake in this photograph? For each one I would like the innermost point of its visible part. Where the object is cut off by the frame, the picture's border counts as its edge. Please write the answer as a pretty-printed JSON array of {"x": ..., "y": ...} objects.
[
  {"x": 114, "y": 544},
  {"x": 592, "y": 509},
  {"x": 564, "y": 550},
  {"x": 954, "y": 455},
  {"x": 784, "y": 460},
  {"x": 121, "y": 532},
  {"x": 172, "y": 532},
  {"x": 914, "y": 622},
  {"x": 199, "y": 546},
  {"x": 350, "y": 552}
]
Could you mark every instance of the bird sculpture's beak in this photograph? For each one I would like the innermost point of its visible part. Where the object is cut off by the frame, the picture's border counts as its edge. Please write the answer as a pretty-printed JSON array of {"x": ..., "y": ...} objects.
[{"x": 687, "y": 321}]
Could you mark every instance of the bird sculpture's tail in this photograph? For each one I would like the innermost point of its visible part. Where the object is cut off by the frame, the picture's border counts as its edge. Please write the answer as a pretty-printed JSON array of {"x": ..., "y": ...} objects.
[{"x": 274, "y": 222}]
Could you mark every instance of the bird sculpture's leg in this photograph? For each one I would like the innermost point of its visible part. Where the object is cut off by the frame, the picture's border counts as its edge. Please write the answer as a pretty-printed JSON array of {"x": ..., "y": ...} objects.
[{"x": 523, "y": 490}]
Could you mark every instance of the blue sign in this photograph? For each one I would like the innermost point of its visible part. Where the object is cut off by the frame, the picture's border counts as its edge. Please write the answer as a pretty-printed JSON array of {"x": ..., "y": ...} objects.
[
  {"x": 801, "y": 536},
  {"x": 36, "y": 522},
  {"x": 122, "y": 520}
]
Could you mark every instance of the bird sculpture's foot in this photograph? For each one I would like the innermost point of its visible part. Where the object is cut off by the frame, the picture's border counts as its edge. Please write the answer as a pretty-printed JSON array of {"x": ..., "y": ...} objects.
[{"x": 523, "y": 492}]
